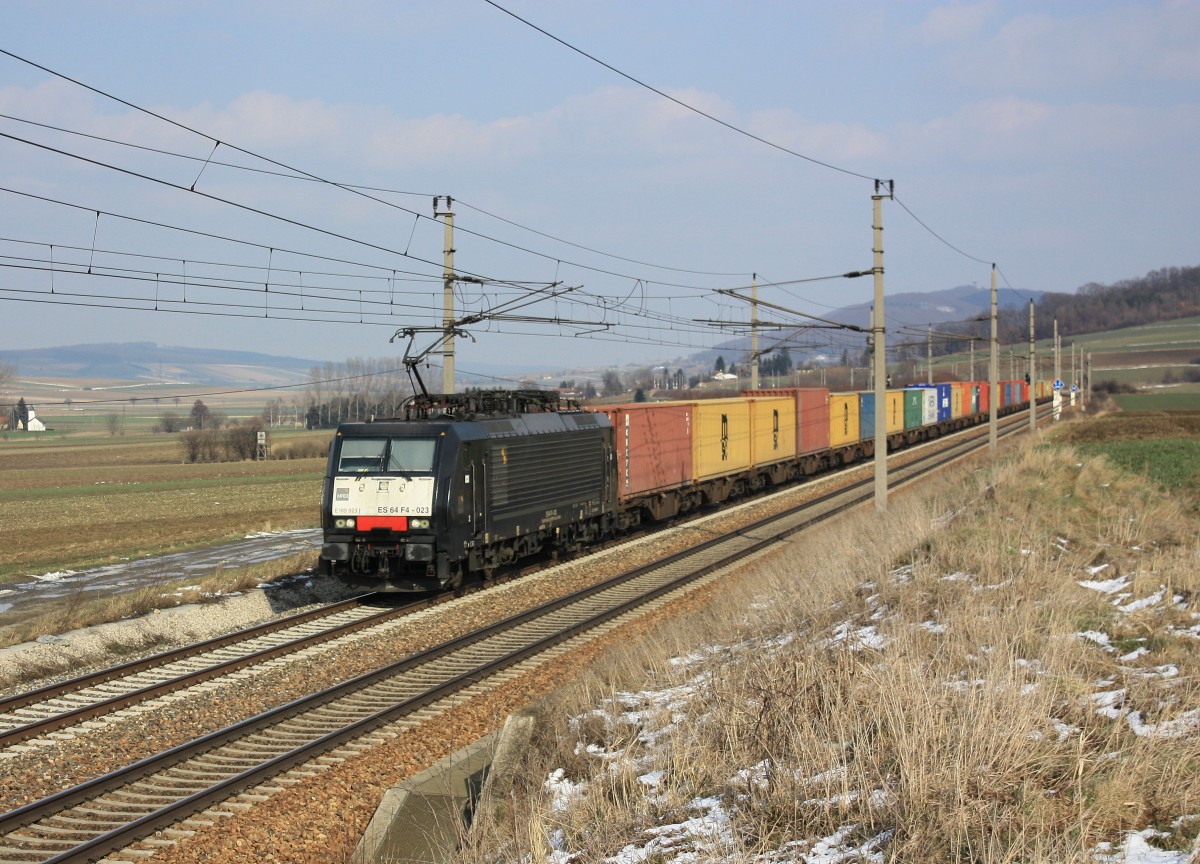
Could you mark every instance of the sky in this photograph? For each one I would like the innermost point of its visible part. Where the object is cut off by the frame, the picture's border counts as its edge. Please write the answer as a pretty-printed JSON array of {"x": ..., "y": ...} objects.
[{"x": 595, "y": 219}]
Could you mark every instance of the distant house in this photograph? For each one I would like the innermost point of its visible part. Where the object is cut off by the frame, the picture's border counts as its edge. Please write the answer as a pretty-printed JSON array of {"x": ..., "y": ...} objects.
[
  {"x": 723, "y": 376},
  {"x": 34, "y": 424}
]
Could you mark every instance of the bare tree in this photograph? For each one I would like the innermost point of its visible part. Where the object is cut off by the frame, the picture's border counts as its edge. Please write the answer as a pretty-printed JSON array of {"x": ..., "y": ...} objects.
[
  {"x": 169, "y": 422},
  {"x": 612, "y": 384},
  {"x": 642, "y": 379},
  {"x": 7, "y": 373},
  {"x": 114, "y": 423},
  {"x": 337, "y": 382},
  {"x": 201, "y": 416}
]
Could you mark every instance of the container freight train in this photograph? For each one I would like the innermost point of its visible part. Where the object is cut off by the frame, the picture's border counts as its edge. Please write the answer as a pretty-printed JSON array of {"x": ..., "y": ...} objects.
[{"x": 465, "y": 484}]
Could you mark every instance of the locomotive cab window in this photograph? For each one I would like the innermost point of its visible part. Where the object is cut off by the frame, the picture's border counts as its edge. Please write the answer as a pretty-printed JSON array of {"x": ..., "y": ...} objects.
[
  {"x": 386, "y": 455},
  {"x": 411, "y": 454}
]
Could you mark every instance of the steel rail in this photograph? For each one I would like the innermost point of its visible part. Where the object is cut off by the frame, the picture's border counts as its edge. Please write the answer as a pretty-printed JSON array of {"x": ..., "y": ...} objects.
[{"x": 106, "y": 705}]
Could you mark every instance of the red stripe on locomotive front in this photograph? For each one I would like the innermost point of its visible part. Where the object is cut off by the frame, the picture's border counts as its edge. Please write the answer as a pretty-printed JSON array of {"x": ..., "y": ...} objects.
[{"x": 370, "y": 523}]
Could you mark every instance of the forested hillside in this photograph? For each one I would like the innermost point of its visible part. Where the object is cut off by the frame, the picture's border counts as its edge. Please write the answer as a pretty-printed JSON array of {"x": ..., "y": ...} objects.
[{"x": 1161, "y": 295}]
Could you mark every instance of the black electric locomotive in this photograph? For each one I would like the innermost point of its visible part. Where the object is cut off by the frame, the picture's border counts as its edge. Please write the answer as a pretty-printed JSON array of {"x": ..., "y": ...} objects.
[{"x": 464, "y": 483}]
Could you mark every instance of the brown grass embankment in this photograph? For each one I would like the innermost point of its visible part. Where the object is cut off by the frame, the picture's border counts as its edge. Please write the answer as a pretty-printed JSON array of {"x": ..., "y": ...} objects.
[{"x": 935, "y": 683}]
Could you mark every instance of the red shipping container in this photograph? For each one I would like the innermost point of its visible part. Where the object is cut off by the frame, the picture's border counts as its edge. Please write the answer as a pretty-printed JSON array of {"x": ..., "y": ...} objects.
[
  {"x": 653, "y": 445},
  {"x": 812, "y": 415},
  {"x": 985, "y": 396}
]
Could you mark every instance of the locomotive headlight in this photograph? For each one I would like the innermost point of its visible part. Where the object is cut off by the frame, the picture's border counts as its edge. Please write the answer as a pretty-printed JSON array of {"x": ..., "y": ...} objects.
[
  {"x": 419, "y": 523},
  {"x": 343, "y": 523}
]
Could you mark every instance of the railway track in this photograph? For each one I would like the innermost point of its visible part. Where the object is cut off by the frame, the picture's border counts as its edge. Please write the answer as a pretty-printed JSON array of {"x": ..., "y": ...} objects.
[
  {"x": 39, "y": 712},
  {"x": 110, "y": 812}
]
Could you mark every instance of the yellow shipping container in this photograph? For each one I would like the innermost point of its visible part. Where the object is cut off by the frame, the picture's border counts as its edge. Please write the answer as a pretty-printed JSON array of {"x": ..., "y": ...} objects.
[
  {"x": 843, "y": 419},
  {"x": 721, "y": 444},
  {"x": 774, "y": 427},
  {"x": 895, "y": 411},
  {"x": 956, "y": 401}
]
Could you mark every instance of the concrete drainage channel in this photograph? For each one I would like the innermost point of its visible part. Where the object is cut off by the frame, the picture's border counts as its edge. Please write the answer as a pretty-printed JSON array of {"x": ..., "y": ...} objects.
[{"x": 418, "y": 822}]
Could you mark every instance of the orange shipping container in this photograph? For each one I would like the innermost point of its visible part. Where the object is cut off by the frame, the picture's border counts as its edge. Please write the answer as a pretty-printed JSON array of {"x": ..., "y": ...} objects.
[
  {"x": 721, "y": 437},
  {"x": 652, "y": 444},
  {"x": 843, "y": 419}
]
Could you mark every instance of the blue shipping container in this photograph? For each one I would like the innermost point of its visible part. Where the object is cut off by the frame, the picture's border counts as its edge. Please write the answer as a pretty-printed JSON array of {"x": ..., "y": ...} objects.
[
  {"x": 866, "y": 416},
  {"x": 943, "y": 397}
]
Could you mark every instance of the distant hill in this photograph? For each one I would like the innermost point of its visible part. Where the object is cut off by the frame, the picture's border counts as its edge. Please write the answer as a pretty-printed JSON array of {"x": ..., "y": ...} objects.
[
  {"x": 911, "y": 309},
  {"x": 936, "y": 307},
  {"x": 147, "y": 361},
  {"x": 1161, "y": 295}
]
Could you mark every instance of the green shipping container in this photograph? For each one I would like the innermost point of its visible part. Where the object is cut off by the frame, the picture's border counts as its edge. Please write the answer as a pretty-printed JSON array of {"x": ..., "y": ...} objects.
[{"x": 914, "y": 408}]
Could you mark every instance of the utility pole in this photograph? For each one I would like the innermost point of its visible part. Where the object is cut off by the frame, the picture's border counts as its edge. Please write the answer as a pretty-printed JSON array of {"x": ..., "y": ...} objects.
[
  {"x": 929, "y": 354},
  {"x": 754, "y": 332},
  {"x": 1032, "y": 374},
  {"x": 871, "y": 349},
  {"x": 880, "y": 357},
  {"x": 993, "y": 374},
  {"x": 447, "y": 351},
  {"x": 1057, "y": 355},
  {"x": 972, "y": 343},
  {"x": 1087, "y": 377}
]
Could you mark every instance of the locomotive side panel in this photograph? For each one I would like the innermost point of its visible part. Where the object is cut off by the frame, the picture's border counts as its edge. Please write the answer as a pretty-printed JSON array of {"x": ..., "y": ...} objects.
[{"x": 535, "y": 482}]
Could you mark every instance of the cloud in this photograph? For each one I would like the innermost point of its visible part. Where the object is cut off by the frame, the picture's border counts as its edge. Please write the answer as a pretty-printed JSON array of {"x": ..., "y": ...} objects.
[
  {"x": 954, "y": 23},
  {"x": 1059, "y": 50},
  {"x": 1039, "y": 133}
]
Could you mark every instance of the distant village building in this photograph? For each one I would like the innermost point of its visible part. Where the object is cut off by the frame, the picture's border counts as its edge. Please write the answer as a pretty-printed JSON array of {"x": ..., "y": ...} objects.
[{"x": 12, "y": 419}]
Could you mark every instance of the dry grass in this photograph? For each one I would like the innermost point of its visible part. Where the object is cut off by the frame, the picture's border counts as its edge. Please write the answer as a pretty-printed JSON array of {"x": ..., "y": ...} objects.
[
  {"x": 72, "y": 504},
  {"x": 81, "y": 609},
  {"x": 80, "y": 529},
  {"x": 919, "y": 677}
]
